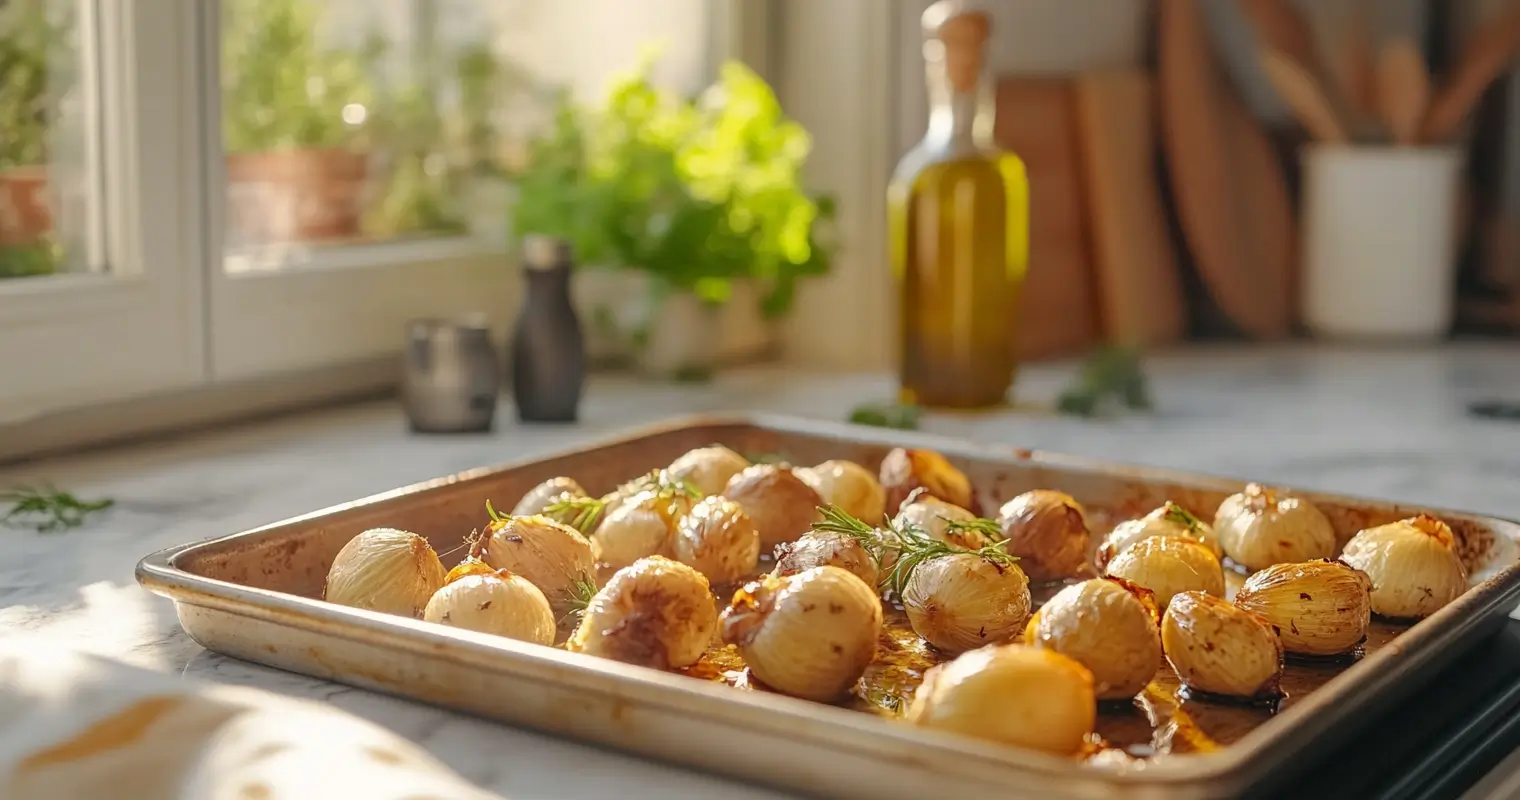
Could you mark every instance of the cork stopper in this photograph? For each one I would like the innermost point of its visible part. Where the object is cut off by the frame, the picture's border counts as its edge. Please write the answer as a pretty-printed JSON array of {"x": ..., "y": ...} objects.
[
  {"x": 544, "y": 252},
  {"x": 959, "y": 35}
]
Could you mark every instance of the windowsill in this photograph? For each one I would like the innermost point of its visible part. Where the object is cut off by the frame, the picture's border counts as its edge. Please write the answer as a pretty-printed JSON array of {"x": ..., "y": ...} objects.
[{"x": 281, "y": 260}]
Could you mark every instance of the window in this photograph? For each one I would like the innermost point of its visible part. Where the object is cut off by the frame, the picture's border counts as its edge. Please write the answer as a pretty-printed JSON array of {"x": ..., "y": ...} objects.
[
  {"x": 47, "y": 181},
  {"x": 375, "y": 134},
  {"x": 195, "y": 193}
]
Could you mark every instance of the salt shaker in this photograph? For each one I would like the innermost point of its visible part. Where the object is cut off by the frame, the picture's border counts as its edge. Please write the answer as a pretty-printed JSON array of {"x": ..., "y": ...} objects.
[
  {"x": 449, "y": 377},
  {"x": 548, "y": 350}
]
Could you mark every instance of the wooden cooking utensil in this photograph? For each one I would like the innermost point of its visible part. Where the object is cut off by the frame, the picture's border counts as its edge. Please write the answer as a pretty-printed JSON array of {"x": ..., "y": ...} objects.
[
  {"x": 1354, "y": 65},
  {"x": 1403, "y": 89},
  {"x": 1304, "y": 96},
  {"x": 1281, "y": 28},
  {"x": 1485, "y": 56},
  {"x": 1057, "y": 313},
  {"x": 1231, "y": 196},
  {"x": 1139, "y": 288}
]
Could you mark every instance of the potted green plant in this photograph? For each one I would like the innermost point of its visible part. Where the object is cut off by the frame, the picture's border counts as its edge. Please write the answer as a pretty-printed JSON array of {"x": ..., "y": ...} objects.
[
  {"x": 419, "y": 189},
  {"x": 488, "y": 84},
  {"x": 700, "y": 198},
  {"x": 30, "y": 44},
  {"x": 294, "y": 114}
]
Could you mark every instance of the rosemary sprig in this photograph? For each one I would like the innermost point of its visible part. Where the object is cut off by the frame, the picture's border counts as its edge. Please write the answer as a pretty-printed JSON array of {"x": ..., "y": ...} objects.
[
  {"x": 914, "y": 547},
  {"x": 46, "y": 509},
  {"x": 837, "y": 520},
  {"x": 1181, "y": 516},
  {"x": 580, "y": 513},
  {"x": 581, "y": 592}
]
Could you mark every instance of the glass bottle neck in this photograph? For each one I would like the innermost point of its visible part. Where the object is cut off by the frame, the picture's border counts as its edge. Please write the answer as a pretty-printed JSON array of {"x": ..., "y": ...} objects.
[{"x": 958, "y": 119}]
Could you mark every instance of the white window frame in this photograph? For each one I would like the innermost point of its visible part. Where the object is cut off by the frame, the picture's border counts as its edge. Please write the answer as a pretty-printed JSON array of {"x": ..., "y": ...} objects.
[{"x": 77, "y": 339}]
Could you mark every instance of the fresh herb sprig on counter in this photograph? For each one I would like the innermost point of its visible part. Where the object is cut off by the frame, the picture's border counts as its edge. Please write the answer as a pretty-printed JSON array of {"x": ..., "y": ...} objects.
[
  {"x": 46, "y": 509},
  {"x": 1111, "y": 375},
  {"x": 886, "y": 415}
]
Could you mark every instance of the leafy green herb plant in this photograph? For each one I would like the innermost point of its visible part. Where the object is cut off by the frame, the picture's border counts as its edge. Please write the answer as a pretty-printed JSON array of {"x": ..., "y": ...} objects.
[{"x": 698, "y": 193}]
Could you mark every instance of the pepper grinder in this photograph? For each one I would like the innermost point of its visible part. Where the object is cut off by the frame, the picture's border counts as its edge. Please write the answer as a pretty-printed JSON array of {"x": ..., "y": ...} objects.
[{"x": 548, "y": 351}]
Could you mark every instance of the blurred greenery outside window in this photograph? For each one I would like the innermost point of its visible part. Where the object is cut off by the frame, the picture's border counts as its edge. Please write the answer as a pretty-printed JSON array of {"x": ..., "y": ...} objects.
[
  {"x": 353, "y": 122},
  {"x": 359, "y": 122},
  {"x": 38, "y": 66}
]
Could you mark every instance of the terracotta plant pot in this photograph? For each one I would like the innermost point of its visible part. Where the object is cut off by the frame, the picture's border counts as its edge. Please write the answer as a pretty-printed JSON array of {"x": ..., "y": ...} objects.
[
  {"x": 25, "y": 216},
  {"x": 295, "y": 195}
]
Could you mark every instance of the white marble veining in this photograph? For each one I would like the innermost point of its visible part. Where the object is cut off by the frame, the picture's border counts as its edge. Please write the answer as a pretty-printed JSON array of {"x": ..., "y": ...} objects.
[{"x": 1387, "y": 424}]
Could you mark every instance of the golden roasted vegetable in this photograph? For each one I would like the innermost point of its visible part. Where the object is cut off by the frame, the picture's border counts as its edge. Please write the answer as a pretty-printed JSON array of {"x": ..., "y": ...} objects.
[
  {"x": 1110, "y": 626},
  {"x": 850, "y": 487},
  {"x": 1413, "y": 566},
  {"x": 1048, "y": 532},
  {"x": 546, "y": 494},
  {"x": 782, "y": 507},
  {"x": 905, "y": 472},
  {"x": 719, "y": 540},
  {"x": 1167, "y": 565},
  {"x": 707, "y": 469},
  {"x": 826, "y": 549},
  {"x": 499, "y": 603},
  {"x": 552, "y": 556},
  {"x": 1219, "y": 648},
  {"x": 385, "y": 570},
  {"x": 963, "y": 601},
  {"x": 1168, "y": 520},
  {"x": 1259, "y": 527},
  {"x": 1012, "y": 694},
  {"x": 943, "y": 521},
  {"x": 1317, "y": 608},
  {"x": 809, "y": 635},
  {"x": 643, "y": 525},
  {"x": 655, "y": 613}
]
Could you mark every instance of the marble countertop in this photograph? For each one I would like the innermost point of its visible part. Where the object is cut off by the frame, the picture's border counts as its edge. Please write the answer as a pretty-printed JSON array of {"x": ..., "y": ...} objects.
[{"x": 1378, "y": 423}]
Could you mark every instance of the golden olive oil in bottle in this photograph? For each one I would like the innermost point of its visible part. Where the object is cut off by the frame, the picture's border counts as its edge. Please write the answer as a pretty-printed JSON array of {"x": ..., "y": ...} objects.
[{"x": 959, "y": 222}]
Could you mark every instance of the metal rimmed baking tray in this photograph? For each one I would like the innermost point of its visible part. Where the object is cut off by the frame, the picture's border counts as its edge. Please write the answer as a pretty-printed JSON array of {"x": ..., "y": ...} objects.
[{"x": 252, "y": 595}]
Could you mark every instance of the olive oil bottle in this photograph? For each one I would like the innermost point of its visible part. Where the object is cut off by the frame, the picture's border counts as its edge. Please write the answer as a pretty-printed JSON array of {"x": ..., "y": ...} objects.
[{"x": 959, "y": 222}]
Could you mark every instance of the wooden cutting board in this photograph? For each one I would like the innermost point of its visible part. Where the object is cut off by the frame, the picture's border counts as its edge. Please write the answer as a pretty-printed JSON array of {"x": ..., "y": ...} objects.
[
  {"x": 1231, "y": 194},
  {"x": 1140, "y": 296},
  {"x": 1036, "y": 119}
]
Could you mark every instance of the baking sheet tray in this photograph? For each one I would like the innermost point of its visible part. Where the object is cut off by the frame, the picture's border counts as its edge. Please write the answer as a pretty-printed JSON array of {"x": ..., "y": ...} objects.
[{"x": 252, "y": 595}]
